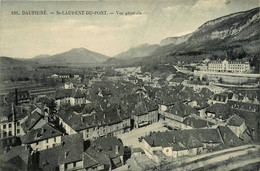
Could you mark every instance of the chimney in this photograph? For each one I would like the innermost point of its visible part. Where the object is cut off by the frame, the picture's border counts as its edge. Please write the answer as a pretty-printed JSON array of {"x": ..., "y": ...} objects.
[
  {"x": 16, "y": 98},
  {"x": 43, "y": 130},
  {"x": 117, "y": 150},
  {"x": 66, "y": 153}
]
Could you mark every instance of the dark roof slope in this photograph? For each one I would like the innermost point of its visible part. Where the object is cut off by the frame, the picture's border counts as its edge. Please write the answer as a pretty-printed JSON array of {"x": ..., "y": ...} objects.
[
  {"x": 181, "y": 110},
  {"x": 69, "y": 151},
  {"x": 229, "y": 138},
  {"x": 32, "y": 120},
  {"x": 220, "y": 110},
  {"x": 72, "y": 148},
  {"x": 235, "y": 120},
  {"x": 47, "y": 131},
  {"x": 109, "y": 145},
  {"x": 93, "y": 157},
  {"x": 197, "y": 122}
]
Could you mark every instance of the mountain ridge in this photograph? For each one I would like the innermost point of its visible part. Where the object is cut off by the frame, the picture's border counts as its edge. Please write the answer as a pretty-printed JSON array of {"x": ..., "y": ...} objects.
[
  {"x": 223, "y": 32},
  {"x": 138, "y": 51},
  {"x": 75, "y": 55}
]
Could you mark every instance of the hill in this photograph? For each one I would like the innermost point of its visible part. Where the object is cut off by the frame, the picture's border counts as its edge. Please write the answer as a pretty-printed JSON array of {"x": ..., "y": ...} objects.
[
  {"x": 74, "y": 56},
  {"x": 41, "y": 56},
  {"x": 139, "y": 51},
  {"x": 234, "y": 32}
]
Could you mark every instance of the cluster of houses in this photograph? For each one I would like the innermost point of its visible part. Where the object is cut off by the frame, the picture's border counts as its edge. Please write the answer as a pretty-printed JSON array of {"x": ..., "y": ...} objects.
[{"x": 75, "y": 128}]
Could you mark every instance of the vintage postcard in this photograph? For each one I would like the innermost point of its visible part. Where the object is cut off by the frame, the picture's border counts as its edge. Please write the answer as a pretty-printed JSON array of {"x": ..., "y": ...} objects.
[{"x": 130, "y": 85}]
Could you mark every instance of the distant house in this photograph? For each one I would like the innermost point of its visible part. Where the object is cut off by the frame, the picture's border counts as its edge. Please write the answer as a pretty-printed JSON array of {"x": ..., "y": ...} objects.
[
  {"x": 237, "y": 125},
  {"x": 49, "y": 92},
  {"x": 11, "y": 119},
  {"x": 175, "y": 81},
  {"x": 244, "y": 106},
  {"x": 42, "y": 138},
  {"x": 145, "y": 77},
  {"x": 34, "y": 121},
  {"x": 145, "y": 113},
  {"x": 188, "y": 142},
  {"x": 172, "y": 144},
  {"x": 68, "y": 85},
  {"x": 99, "y": 124},
  {"x": 56, "y": 76},
  {"x": 195, "y": 123},
  {"x": 96, "y": 159},
  {"x": 70, "y": 96},
  {"x": 218, "y": 111},
  {"x": 221, "y": 98},
  {"x": 112, "y": 147},
  {"x": 19, "y": 97},
  {"x": 178, "y": 112}
]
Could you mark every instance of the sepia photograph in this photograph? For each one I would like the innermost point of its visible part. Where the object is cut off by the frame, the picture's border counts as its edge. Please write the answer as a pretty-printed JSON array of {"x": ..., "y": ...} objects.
[{"x": 140, "y": 85}]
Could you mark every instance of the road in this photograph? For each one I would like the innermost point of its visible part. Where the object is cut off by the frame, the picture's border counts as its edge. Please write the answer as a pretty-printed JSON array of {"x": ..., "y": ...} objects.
[{"x": 131, "y": 138}]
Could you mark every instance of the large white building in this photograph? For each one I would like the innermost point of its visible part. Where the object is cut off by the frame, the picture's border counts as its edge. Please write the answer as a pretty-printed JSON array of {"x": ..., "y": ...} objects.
[{"x": 226, "y": 66}]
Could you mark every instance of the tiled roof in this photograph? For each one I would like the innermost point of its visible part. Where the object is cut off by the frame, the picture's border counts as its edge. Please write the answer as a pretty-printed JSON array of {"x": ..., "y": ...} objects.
[
  {"x": 197, "y": 122},
  {"x": 109, "y": 145},
  {"x": 44, "y": 100},
  {"x": 209, "y": 135},
  {"x": 181, "y": 109},
  {"x": 64, "y": 93},
  {"x": 72, "y": 148},
  {"x": 48, "y": 159},
  {"x": 93, "y": 157},
  {"x": 140, "y": 109},
  {"x": 6, "y": 113},
  {"x": 32, "y": 120},
  {"x": 40, "y": 134},
  {"x": 19, "y": 151},
  {"x": 76, "y": 122},
  {"x": 179, "y": 140},
  {"x": 229, "y": 138},
  {"x": 235, "y": 120},
  {"x": 251, "y": 118},
  {"x": 220, "y": 110},
  {"x": 244, "y": 106}
]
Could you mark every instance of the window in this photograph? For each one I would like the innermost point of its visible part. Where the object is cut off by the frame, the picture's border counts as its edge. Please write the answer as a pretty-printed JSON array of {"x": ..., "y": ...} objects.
[
  {"x": 10, "y": 125},
  {"x": 4, "y": 126},
  {"x": 47, "y": 141},
  {"x": 53, "y": 145},
  {"x": 18, "y": 124},
  {"x": 18, "y": 131},
  {"x": 37, "y": 143},
  {"x": 74, "y": 164},
  {"x": 5, "y": 134},
  {"x": 10, "y": 133},
  {"x": 47, "y": 147},
  {"x": 54, "y": 139}
]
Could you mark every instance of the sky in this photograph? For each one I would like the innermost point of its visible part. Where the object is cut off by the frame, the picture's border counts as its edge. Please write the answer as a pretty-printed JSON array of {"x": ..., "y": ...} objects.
[{"x": 24, "y": 36}]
